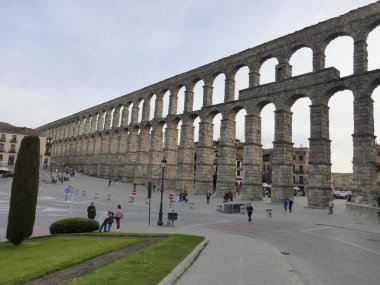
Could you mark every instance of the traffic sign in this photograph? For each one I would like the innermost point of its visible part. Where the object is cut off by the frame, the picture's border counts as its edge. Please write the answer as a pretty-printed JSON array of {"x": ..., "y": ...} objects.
[
  {"x": 134, "y": 192},
  {"x": 171, "y": 196},
  {"x": 67, "y": 190}
]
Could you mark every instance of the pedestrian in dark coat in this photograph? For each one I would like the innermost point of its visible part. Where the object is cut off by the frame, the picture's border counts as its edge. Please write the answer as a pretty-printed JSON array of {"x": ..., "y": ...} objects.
[
  {"x": 249, "y": 212},
  {"x": 290, "y": 205},
  {"x": 91, "y": 211}
]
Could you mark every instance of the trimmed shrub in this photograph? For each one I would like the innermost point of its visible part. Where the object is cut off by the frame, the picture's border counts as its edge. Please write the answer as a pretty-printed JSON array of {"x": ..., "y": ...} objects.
[
  {"x": 23, "y": 202},
  {"x": 74, "y": 225}
]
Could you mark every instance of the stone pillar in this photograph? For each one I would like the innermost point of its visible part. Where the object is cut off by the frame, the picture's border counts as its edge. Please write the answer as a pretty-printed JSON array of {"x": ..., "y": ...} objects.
[
  {"x": 185, "y": 161},
  {"x": 229, "y": 88},
  {"x": 173, "y": 101},
  {"x": 116, "y": 118},
  {"x": 189, "y": 99},
  {"x": 86, "y": 127},
  {"x": 141, "y": 166},
  {"x": 319, "y": 186},
  {"x": 155, "y": 155},
  {"x": 207, "y": 93},
  {"x": 135, "y": 114},
  {"x": 254, "y": 78},
  {"x": 282, "y": 162},
  {"x": 82, "y": 123},
  {"x": 252, "y": 162},
  {"x": 146, "y": 110},
  {"x": 319, "y": 59},
  {"x": 107, "y": 119},
  {"x": 120, "y": 158},
  {"x": 205, "y": 159},
  {"x": 100, "y": 125},
  {"x": 124, "y": 116},
  {"x": 364, "y": 161},
  {"x": 283, "y": 70},
  {"x": 93, "y": 123},
  {"x": 158, "y": 108},
  {"x": 227, "y": 158},
  {"x": 171, "y": 155},
  {"x": 360, "y": 56},
  {"x": 131, "y": 156}
]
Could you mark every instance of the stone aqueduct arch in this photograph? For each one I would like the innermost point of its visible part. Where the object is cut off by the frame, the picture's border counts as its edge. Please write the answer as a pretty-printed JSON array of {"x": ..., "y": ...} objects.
[{"x": 102, "y": 141}]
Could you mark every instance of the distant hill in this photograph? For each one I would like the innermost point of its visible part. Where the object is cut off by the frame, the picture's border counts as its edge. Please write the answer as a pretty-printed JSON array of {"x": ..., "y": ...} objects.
[{"x": 8, "y": 128}]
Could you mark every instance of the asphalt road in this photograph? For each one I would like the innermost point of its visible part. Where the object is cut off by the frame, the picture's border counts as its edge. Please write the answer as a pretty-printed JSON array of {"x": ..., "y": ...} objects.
[{"x": 322, "y": 248}]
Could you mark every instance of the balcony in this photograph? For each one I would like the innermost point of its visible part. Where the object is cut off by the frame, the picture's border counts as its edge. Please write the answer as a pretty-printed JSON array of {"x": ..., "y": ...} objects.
[
  {"x": 13, "y": 141},
  {"x": 12, "y": 151},
  {"x": 2, "y": 150},
  {"x": 2, "y": 139}
]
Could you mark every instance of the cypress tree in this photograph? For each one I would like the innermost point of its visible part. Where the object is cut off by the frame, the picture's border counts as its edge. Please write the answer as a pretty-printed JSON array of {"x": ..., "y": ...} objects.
[{"x": 23, "y": 202}]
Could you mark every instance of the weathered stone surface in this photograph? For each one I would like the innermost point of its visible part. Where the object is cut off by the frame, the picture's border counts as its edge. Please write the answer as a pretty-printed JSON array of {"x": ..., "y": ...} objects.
[{"x": 84, "y": 140}]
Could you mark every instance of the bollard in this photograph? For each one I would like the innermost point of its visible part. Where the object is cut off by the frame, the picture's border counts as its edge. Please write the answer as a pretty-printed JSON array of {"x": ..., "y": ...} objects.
[{"x": 84, "y": 193}]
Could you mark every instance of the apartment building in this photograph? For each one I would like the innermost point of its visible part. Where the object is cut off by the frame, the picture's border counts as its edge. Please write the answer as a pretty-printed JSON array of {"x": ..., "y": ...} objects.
[{"x": 10, "y": 142}]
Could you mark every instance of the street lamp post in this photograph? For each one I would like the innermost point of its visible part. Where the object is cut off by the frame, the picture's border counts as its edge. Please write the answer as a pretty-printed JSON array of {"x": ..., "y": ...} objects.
[
  {"x": 163, "y": 166},
  {"x": 63, "y": 168}
]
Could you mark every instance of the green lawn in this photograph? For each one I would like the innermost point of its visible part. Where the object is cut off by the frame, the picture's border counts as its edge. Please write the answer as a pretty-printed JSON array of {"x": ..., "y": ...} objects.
[{"x": 37, "y": 257}]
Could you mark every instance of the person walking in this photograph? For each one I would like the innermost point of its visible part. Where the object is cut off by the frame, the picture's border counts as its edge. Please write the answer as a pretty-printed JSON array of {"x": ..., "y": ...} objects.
[
  {"x": 103, "y": 221},
  {"x": 290, "y": 204},
  {"x": 285, "y": 202},
  {"x": 331, "y": 206},
  {"x": 208, "y": 195},
  {"x": 91, "y": 211},
  {"x": 110, "y": 220},
  {"x": 110, "y": 183},
  {"x": 249, "y": 212},
  {"x": 119, "y": 216}
]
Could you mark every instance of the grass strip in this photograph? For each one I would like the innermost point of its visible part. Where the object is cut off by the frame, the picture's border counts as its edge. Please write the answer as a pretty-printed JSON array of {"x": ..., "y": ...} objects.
[
  {"x": 38, "y": 257},
  {"x": 147, "y": 266}
]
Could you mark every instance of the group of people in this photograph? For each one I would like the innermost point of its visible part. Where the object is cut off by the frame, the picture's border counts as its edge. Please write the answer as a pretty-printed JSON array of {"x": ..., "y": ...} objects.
[
  {"x": 182, "y": 196},
  {"x": 107, "y": 218},
  {"x": 228, "y": 197},
  {"x": 288, "y": 203}
]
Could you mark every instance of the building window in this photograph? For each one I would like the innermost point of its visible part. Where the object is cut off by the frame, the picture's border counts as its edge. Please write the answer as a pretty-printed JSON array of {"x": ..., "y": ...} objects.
[
  {"x": 266, "y": 157},
  {"x": 11, "y": 160},
  {"x": 294, "y": 157},
  {"x": 14, "y": 139},
  {"x": 2, "y": 139},
  {"x": 13, "y": 148},
  {"x": 238, "y": 172},
  {"x": 1, "y": 158},
  {"x": 301, "y": 168},
  {"x": 238, "y": 163},
  {"x": 301, "y": 158},
  {"x": 1, "y": 147},
  {"x": 301, "y": 179}
]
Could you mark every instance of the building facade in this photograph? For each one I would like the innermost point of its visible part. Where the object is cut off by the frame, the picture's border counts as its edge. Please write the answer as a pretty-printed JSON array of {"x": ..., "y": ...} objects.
[{"x": 10, "y": 142}]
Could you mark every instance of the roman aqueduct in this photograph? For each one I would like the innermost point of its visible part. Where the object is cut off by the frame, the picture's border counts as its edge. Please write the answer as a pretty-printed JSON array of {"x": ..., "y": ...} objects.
[{"x": 109, "y": 140}]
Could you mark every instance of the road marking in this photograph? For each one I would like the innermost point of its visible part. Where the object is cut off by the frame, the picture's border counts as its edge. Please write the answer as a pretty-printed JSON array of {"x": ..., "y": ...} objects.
[
  {"x": 347, "y": 242},
  {"x": 315, "y": 229}
]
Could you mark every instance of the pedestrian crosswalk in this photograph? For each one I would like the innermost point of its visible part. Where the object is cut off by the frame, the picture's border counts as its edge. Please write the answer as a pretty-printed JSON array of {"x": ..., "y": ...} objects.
[{"x": 255, "y": 227}]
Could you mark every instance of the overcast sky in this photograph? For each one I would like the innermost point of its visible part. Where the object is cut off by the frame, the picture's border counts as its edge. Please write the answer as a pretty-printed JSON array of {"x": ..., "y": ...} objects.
[{"x": 60, "y": 57}]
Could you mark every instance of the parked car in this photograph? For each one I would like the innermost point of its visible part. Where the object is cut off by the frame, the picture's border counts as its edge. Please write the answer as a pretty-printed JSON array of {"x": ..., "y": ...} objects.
[{"x": 342, "y": 194}]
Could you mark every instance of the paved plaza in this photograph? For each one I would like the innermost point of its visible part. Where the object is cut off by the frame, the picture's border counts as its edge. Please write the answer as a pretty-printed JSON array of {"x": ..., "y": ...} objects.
[{"x": 307, "y": 246}]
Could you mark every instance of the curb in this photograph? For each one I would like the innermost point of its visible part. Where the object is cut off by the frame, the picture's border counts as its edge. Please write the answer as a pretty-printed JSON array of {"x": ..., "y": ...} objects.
[{"x": 180, "y": 269}]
